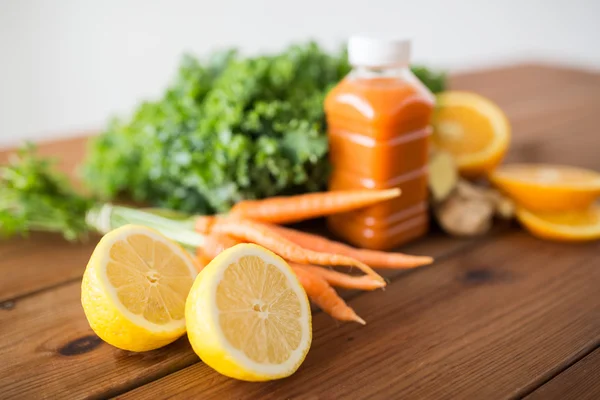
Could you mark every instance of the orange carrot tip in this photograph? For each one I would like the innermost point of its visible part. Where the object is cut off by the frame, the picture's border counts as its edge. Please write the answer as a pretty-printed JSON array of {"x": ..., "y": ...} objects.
[
  {"x": 377, "y": 259},
  {"x": 378, "y": 284},
  {"x": 419, "y": 261},
  {"x": 323, "y": 295},
  {"x": 340, "y": 279},
  {"x": 359, "y": 319}
]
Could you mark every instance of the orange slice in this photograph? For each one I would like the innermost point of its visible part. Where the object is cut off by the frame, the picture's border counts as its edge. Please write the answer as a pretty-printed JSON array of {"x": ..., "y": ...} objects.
[
  {"x": 548, "y": 188},
  {"x": 473, "y": 129},
  {"x": 572, "y": 226}
]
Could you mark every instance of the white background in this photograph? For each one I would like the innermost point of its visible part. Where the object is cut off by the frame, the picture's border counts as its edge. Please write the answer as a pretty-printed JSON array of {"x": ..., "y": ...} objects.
[{"x": 66, "y": 66}]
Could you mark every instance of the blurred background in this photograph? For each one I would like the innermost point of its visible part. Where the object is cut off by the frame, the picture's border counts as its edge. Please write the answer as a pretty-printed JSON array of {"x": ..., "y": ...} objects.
[{"x": 67, "y": 66}]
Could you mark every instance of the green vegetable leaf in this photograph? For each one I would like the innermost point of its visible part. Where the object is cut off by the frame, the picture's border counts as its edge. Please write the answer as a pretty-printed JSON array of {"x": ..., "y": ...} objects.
[
  {"x": 35, "y": 197},
  {"x": 435, "y": 81}
]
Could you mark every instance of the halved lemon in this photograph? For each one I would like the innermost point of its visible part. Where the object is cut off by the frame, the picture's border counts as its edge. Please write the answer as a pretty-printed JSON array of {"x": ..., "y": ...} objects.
[
  {"x": 548, "y": 188},
  {"x": 572, "y": 226},
  {"x": 473, "y": 129},
  {"x": 134, "y": 288},
  {"x": 247, "y": 315}
]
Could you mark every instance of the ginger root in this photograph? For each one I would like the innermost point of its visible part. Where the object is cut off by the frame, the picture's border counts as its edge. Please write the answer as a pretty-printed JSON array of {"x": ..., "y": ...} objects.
[
  {"x": 443, "y": 175},
  {"x": 505, "y": 207},
  {"x": 469, "y": 210},
  {"x": 461, "y": 207}
]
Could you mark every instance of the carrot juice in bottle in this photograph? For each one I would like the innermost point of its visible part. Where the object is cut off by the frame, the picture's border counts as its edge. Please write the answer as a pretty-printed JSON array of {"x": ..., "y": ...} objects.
[{"x": 378, "y": 125}]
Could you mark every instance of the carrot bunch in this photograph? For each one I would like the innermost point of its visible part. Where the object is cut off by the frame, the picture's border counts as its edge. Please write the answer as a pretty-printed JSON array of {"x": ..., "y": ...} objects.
[
  {"x": 27, "y": 208},
  {"x": 310, "y": 256}
]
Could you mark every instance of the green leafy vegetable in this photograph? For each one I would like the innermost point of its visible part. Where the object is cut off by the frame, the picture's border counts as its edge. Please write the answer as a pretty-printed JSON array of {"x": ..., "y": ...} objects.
[
  {"x": 435, "y": 81},
  {"x": 34, "y": 197},
  {"x": 227, "y": 129}
]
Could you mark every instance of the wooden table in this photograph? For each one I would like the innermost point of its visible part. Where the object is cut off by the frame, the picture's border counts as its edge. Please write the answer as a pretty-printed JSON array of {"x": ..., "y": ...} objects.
[{"x": 501, "y": 316}]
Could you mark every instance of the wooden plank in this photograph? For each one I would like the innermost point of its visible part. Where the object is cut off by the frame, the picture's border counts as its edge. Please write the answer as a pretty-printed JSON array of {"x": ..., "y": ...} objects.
[
  {"x": 489, "y": 323},
  {"x": 528, "y": 78},
  {"x": 580, "y": 382},
  {"x": 41, "y": 261},
  {"x": 578, "y": 145},
  {"x": 49, "y": 351},
  {"x": 43, "y": 334}
]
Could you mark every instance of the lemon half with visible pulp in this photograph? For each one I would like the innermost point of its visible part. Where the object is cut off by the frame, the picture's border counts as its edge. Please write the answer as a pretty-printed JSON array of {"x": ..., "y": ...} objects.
[
  {"x": 134, "y": 288},
  {"x": 247, "y": 315}
]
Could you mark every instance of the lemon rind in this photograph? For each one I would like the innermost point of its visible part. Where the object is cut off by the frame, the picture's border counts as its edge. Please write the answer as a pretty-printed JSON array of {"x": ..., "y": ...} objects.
[{"x": 227, "y": 359}]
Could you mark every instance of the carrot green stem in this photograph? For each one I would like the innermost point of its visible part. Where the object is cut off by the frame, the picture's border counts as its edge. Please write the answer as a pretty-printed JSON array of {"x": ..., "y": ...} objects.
[{"x": 107, "y": 217}]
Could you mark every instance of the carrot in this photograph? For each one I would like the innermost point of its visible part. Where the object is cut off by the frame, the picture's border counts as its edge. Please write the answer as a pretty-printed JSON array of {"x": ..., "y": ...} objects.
[
  {"x": 324, "y": 296},
  {"x": 339, "y": 279},
  {"x": 263, "y": 235},
  {"x": 201, "y": 262},
  {"x": 215, "y": 244},
  {"x": 283, "y": 210},
  {"x": 378, "y": 259},
  {"x": 204, "y": 223}
]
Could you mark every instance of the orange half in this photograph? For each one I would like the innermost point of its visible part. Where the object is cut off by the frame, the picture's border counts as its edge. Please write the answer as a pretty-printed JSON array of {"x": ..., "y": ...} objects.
[
  {"x": 548, "y": 188},
  {"x": 571, "y": 226},
  {"x": 473, "y": 129}
]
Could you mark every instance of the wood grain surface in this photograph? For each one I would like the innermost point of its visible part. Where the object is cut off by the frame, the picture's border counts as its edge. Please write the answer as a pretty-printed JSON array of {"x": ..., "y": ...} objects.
[
  {"x": 49, "y": 350},
  {"x": 48, "y": 329},
  {"x": 501, "y": 316},
  {"x": 579, "y": 382},
  {"x": 39, "y": 262}
]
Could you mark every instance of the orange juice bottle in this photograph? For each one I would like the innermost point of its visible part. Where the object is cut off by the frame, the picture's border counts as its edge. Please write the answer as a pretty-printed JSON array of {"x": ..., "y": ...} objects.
[{"x": 378, "y": 120}]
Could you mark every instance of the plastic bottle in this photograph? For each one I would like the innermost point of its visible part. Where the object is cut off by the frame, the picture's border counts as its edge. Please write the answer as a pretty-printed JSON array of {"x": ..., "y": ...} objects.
[{"x": 379, "y": 126}]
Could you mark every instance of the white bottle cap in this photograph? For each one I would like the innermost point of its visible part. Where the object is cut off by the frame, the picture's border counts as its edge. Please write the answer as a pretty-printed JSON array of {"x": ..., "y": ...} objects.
[{"x": 370, "y": 52}]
